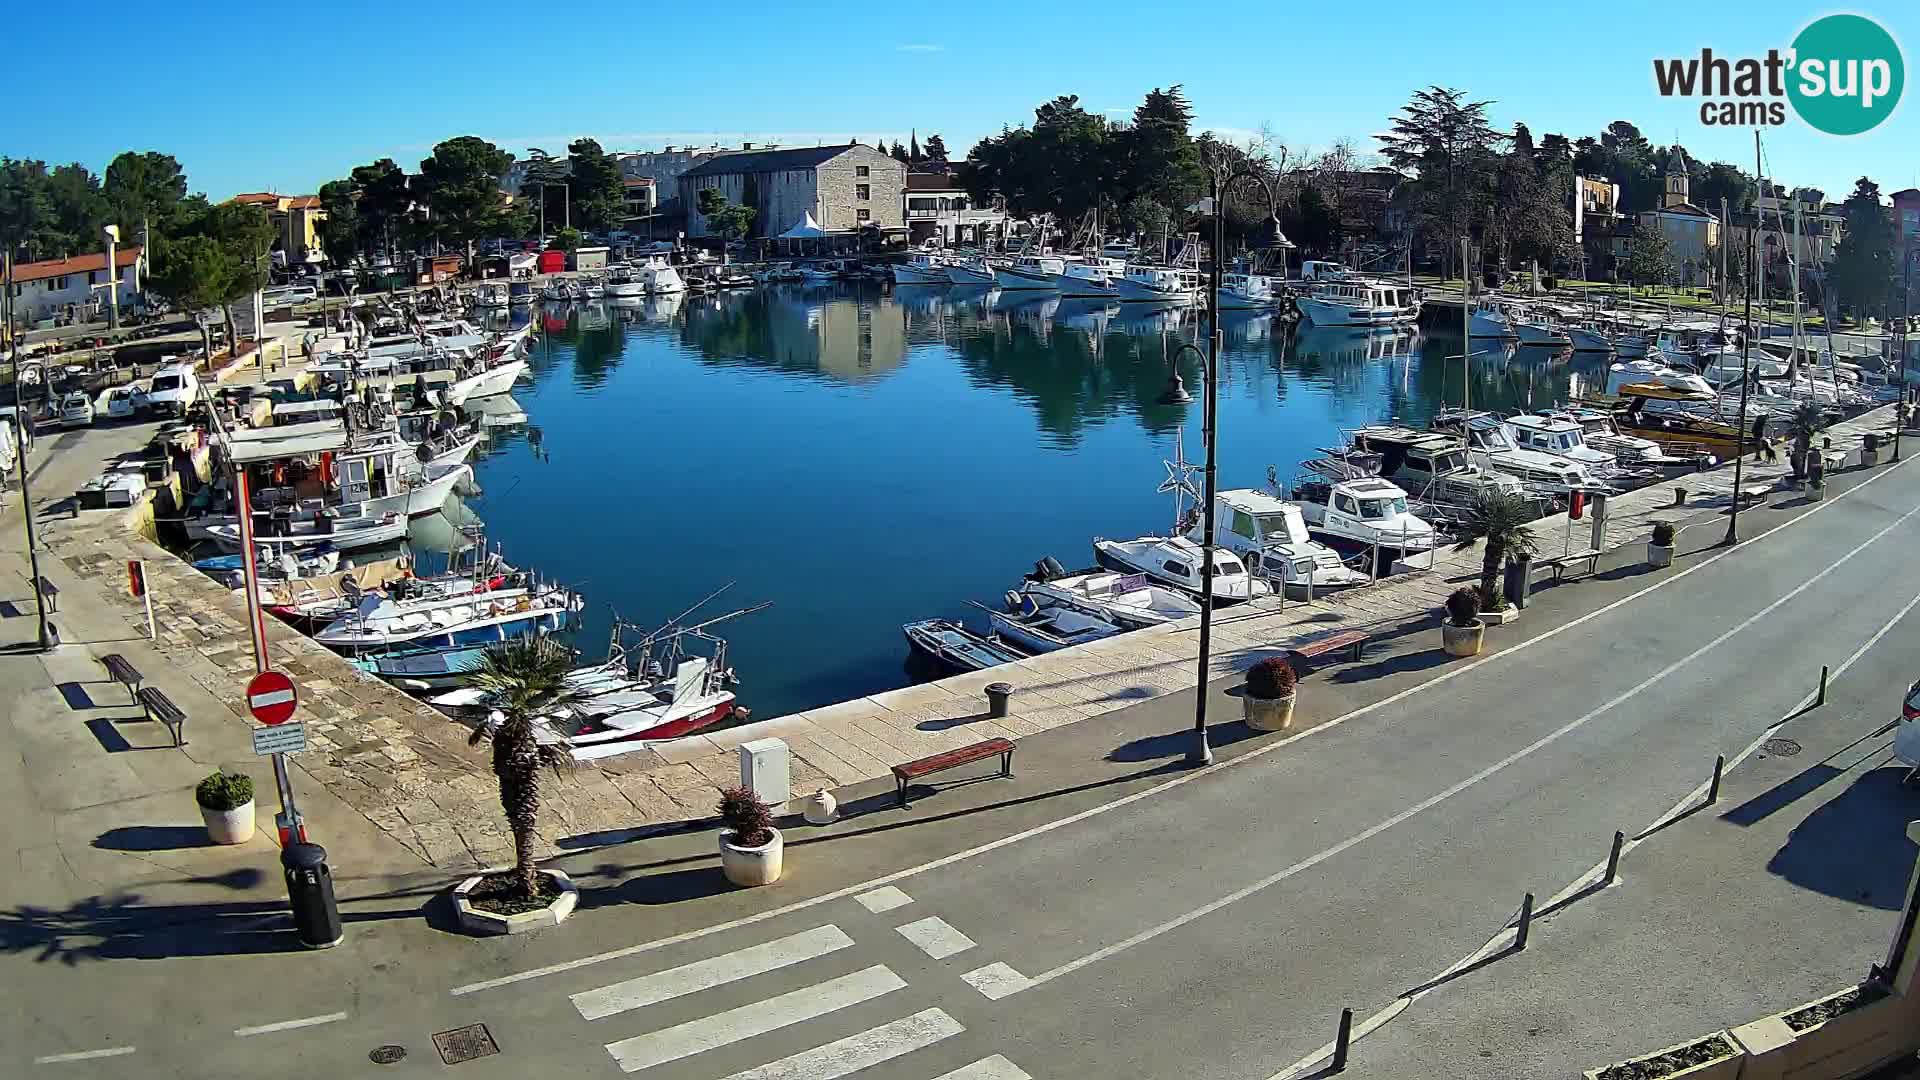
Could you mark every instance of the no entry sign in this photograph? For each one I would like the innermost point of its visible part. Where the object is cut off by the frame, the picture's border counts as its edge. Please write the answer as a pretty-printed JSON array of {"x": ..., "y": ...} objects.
[{"x": 270, "y": 698}]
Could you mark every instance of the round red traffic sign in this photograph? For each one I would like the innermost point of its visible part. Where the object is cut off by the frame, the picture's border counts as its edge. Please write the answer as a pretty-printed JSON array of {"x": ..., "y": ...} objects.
[{"x": 270, "y": 698}]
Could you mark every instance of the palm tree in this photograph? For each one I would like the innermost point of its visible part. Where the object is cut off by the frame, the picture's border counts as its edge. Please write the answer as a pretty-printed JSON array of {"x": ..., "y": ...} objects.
[
  {"x": 1805, "y": 426},
  {"x": 1500, "y": 518},
  {"x": 525, "y": 677}
]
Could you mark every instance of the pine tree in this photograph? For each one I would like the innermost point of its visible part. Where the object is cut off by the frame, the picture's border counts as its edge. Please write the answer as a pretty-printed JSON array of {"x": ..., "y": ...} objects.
[
  {"x": 1862, "y": 271},
  {"x": 899, "y": 153}
]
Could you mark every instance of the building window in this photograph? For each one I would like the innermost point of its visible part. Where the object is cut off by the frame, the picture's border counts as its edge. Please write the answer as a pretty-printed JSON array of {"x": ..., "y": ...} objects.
[
  {"x": 93, "y": 277},
  {"x": 866, "y": 215},
  {"x": 861, "y": 170},
  {"x": 862, "y": 191},
  {"x": 58, "y": 283}
]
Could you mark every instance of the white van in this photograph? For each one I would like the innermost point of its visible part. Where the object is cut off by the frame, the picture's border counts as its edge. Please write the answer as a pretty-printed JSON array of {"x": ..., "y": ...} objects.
[
  {"x": 173, "y": 390},
  {"x": 1906, "y": 733}
]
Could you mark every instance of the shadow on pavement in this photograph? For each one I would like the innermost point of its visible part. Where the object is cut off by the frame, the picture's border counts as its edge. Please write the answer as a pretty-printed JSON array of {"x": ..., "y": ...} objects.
[
  {"x": 1175, "y": 743},
  {"x": 671, "y": 887},
  {"x": 1854, "y": 846},
  {"x": 153, "y": 838},
  {"x": 1391, "y": 665},
  {"x": 78, "y": 699}
]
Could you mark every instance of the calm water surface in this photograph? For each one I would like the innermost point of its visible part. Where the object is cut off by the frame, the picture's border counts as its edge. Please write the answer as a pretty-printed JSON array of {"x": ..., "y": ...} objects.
[{"x": 863, "y": 460}]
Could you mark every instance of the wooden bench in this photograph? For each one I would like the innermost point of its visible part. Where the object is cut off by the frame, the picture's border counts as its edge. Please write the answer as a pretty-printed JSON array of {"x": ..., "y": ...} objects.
[
  {"x": 51, "y": 593},
  {"x": 161, "y": 709},
  {"x": 124, "y": 673},
  {"x": 1753, "y": 494},
  {"x": 1559, "y": 563},
  {"x": 1314, "y": 648},
  {"x": 941, "y": 762}
]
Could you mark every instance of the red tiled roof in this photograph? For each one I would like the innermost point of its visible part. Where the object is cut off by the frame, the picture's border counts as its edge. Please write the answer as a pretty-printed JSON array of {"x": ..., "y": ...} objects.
[
  {"x": 79, "y": 264},
  {"x": 932, "y": 182},
  {"x": 262, "y": 198},
  {"x": 303, "y": 202}
]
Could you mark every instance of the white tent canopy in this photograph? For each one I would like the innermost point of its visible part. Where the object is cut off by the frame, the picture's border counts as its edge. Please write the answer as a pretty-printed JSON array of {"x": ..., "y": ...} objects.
[{"x": 808, "y": 229}]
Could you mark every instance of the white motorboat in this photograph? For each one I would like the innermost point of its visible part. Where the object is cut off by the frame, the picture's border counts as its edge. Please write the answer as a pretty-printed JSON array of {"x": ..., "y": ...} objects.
[
  {"x": 623, "y": 283},
  {"x": 1490, "y": 320},
  {"x": 1358, "y": 302},
  {"x": 559, "y": 290},
  {"x": 1562, "y": 437},
  {"x": 1433, "y": 468},
  {"x": 382, "y": 623},
  {"x": 1356, "y": 512},
  {"x": 344, "y": 534},
  {"x": 1159, "y": 284},
  {"x": 1270, "y": 535},
  {"x": 658, "y": 273},
  {"x": 1128, "y": 600},
  {"x": 497, "y": 379},
  {"x": 1246, "y": 292},
  {"x": 1090, "y": 278},
  {"x": 1603, "y": 433},
  {"x": 492, "y": 295},
  {"x": 1537, "y": 325},
  {"x": 969, "y": 270},
  {"x": 1030, "y": 272},
  {"x": 592, "y": 289},
  {"x": 1032, "y": 628},
  {"x": 1491, "y": 446},
  {"x": 1176, "y": 561},
  {"x": 922, "y": 268},
  {"x": 1653, "y": 368}
]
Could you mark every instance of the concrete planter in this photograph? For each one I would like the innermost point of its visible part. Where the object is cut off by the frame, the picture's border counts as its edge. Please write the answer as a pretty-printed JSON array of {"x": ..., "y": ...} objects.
[
  {"x": 1846, "y": 1045},
  {"x": 233, "y": 826},
  {"x": 1463, "y": 640},
  {"x": 1816, "y": 494},
  {"x": 1502, "y": 617},
  {"x": 475, "y": 921},
  {"x": 1869, "y": 458},
  {"x": 750, "y": 866},
  {"x": 1268, "y": 714},
  {"x": 1726, "y": 1067},
  {"x": 1659, "y": 557}
]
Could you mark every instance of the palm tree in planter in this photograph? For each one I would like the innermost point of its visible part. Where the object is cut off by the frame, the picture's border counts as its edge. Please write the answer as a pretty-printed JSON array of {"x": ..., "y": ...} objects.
[
  {"x": 524, "y": 677},
  {"x": 1804, "y": 426},
  {"x": 1268, "y": 703},
  {"x": 1463, "y": 632},
  {"x": 1500, "y": 519}
]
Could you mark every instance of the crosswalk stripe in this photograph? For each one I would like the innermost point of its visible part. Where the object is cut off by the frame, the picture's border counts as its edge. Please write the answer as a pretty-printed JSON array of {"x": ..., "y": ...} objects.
[
  {"x": 936, "y": 937},
  {"x": 996, "y": 980},
  {"x": 704, "y": 974},
  {"x": 758, "y": 1018},
  {"x": 884, "y": 898},
  {"x": 987, "y": 1068},
  {"x": 856, "y": 1052}
]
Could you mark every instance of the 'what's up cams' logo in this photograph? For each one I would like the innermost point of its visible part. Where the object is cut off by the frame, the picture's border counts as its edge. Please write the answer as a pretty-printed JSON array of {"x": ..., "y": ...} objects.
[{"x": 1843, "y": 75}]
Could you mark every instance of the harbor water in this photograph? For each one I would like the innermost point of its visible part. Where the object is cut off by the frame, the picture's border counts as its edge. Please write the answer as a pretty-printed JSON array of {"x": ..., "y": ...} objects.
[{"x": 864, "y": 459}]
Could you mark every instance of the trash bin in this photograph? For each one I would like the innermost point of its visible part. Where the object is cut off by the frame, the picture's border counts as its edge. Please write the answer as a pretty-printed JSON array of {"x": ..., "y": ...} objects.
[
  {"x": 998, "y": 695},
  {"x": 316, "y": 916},
  {"x": 1519, "y": 578}
]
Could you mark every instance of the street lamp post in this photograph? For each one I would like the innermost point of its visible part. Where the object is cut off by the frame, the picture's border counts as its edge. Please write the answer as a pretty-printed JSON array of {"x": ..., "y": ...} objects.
[
  {"x": 1270, "y": 236},
  {"x": 24, "y": 437},
  {"x": 1900, "y": 350},
  {"x": 1740, "y": 418}
]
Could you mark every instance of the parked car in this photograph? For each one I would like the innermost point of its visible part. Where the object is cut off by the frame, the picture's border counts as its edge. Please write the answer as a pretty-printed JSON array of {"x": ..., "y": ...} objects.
[
  {"x": 76, "y": 409},
  {"x": 120, "y": 402},
  {"x": 1906, "y": 733},
  {"x": 173, "y": 389}
]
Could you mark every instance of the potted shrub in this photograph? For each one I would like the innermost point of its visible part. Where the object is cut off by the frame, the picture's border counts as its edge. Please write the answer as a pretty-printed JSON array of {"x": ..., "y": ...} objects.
[
  {"x": 226, "y": 805},
  {"x": 750, "y": 846},
  {"x": 1463, "y": 632},
  {"x": 1500, "y": 520},
  {"x": 524, "y": 677},
  {"x": 1660, "y": 547},
  {"x": 1268, "y": 702}
]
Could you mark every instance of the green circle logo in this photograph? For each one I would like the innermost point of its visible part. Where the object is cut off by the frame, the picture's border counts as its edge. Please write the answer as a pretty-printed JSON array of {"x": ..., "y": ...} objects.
[{"x": 1847, "y": 74}]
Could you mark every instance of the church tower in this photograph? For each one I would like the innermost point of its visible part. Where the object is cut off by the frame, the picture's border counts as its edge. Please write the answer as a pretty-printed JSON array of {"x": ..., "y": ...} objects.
[{"x": 1676, "y": 179}]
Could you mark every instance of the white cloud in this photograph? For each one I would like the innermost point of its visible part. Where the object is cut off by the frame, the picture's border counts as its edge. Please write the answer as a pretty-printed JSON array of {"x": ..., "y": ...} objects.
[{"x": 920, "y": 48}]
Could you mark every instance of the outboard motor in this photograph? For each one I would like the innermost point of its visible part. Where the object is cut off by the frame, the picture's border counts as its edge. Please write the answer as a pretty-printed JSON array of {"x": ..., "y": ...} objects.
[{"x": 1050, "y": 569}]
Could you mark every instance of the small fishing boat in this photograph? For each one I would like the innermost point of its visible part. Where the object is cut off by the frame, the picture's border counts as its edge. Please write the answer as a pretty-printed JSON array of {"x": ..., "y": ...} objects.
[
  {"x": 344, "y": 533},
  {"x": 923, "y": 268},
  {"x": 270, "y": 567},
  {"x": 460, "y": 621},
  {"x": 1036, "y": 629},
  {"x": 1353, "y": 510},
  {"x": 956, "y": 648},
  {"x": 1176, "y": 561},
  {"x": 1270, "y": 535},
  {"x": 1129, "y": 601}
]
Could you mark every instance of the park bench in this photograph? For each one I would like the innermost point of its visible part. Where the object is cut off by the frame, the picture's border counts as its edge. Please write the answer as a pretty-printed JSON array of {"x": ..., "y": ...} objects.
[
  {"x": 1353, "y": 641},
  {"x": 965, "y": 755},
  {"x": 161, "y": 709},
  {"x": 50, "y": 592},
  {"x": 121, "y": 671},
  {"x": 1559, "y": 563}
]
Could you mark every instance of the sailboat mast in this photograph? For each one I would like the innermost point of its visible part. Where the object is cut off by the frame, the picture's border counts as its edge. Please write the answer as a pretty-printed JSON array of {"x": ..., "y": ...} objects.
[{"x": 1466, "y": 327}]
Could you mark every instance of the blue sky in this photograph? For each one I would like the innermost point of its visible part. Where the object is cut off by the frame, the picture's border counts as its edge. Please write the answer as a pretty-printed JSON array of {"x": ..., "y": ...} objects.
[{"x": 253, "y": 97}]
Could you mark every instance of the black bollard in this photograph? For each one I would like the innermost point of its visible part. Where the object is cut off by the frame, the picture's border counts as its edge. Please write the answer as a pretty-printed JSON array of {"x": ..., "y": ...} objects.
[{"x": 316, "y": 916}]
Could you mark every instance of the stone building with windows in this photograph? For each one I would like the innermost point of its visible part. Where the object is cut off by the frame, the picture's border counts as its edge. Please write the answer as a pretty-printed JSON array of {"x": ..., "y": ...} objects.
[{"x": 845, "y": 188}]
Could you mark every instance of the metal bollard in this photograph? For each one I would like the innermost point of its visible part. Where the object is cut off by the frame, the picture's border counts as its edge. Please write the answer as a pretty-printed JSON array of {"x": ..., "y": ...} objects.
[
  {"x": 1713, "y": 789},
  {"x": 998, "y": 695},
  {"x": 1341, "y": 1042},
  {"x": 1821, "y": 699},
  {"x": 1613, "y": 859},
  {"x": 1526, "y": 922},
  {"x": 1679, "y": 495}
]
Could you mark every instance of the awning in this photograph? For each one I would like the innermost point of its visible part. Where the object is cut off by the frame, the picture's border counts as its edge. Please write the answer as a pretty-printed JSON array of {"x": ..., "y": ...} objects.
[{"x": 808, "y": 229}]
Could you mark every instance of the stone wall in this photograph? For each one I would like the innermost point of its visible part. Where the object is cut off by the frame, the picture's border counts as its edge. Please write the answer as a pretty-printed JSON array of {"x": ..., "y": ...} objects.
[{"x": 839, "y": 182}]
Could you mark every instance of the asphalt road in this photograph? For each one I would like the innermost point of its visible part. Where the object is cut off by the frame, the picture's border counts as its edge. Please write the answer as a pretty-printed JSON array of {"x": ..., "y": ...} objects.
[{"x": 1212, "y": 924}]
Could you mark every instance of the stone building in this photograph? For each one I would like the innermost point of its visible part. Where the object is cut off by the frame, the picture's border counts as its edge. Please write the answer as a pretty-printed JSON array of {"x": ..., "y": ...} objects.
[
  {"x": 845, "y": 188},
  {"x": 1692, "y": 232}
]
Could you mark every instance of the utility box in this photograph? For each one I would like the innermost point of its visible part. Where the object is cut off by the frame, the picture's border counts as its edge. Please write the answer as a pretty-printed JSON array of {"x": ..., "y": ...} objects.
[{"x": 763, "y": 770}]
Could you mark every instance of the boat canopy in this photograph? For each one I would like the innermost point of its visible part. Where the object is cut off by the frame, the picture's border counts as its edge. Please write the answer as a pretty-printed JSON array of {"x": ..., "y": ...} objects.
[{"x": 807, "y": 229}]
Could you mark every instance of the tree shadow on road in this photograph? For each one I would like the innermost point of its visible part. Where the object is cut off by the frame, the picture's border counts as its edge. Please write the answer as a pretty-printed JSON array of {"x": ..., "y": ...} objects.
[{"x": 1854, "y": 846}]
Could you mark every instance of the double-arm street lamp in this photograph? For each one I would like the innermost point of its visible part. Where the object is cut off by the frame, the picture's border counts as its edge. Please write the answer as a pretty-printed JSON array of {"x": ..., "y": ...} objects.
[
  {"x": 1267, "y": 237},
  {"x": 1900, "y": 343}
]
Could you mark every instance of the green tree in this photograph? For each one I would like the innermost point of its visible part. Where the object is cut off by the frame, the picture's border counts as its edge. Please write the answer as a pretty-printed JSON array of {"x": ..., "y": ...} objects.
[
  {"x": 1531, "y": 219},
  {"x": 728, "y": 220},
  {"x": 1723, "y": 181},
  {"x": 1447, "y": 141},
  {"x": 340, "y": 228},
  {"x": 936, "y": 150},
  {"x": 899, "y": 153},
  {"x": 1499, "y": 521},
  {"x": 193, "y": 274},
  {"x": 461, "y": 182},
  {"x": 243, "y": 235},
  {"x": 599, "y": 194},
  {"x": 1862, "y": 271},
  {"x": 1649, "y": 257},
  {"x": 144, "y": 192},
  {"x": 566, "y": 238},
  {"x": 524, "y": 677},
  {"x": 23, "y": 205},
  {"x": 382, "y": 199},
  {"x": 545, "y": 173},
  {"x": 1156, "y": 157}
]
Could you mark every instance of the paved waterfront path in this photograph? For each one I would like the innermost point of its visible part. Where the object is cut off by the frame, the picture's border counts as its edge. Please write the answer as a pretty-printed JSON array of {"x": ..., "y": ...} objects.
[{"x": 409, "y": 771}]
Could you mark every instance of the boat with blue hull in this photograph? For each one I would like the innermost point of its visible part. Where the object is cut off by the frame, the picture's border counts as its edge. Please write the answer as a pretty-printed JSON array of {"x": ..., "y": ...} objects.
[{"x": 956, "y": 648}]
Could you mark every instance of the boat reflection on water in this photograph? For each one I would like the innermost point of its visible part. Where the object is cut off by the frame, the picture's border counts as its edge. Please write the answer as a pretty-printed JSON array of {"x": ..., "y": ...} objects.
[{"x": 1355, "y": 344}]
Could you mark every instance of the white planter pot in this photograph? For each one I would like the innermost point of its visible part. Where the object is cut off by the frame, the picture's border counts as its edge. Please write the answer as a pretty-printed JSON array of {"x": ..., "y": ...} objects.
[
  {"x": 821, "y": 808},
  {"x": 1505, "y": 615},
  {"x": 1869, "y": 458},
  {"x": 1462, "y": 640},
  {"x": 233, "y": 826},
  {"x": 1816, "y": 494},
  {"x": 1659, "y": 557},
  {"x": 747, "y": 866},
  {"x": 1268, "y": 714}
]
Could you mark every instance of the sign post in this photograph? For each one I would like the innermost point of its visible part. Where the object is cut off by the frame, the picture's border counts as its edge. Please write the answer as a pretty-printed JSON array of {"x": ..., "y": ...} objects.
[{"x": 137, "y": 584}]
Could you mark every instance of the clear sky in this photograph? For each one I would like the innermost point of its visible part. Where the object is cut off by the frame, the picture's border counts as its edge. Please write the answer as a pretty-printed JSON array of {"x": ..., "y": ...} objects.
[{"x": 253, "y": 96}]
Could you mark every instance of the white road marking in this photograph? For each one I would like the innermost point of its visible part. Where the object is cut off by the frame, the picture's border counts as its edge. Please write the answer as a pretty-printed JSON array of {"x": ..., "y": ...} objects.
[
  {"x": 882, "y": 899},
  {"x": 704, "y": 974},
  {"x": 989, "y": 1068},
  {"x": 1594, "y": 873},
  {"x": 83, "y": 1055},
  {"x": 1161, "y": 788},
  {"x": 856, "y": 1052},
  {"x": 996, "y": 981},
  {"x": 289, "y": 1025},
  {"x": 936, "y": 937},
  {"x": 758, "y": 1018},
  {"x": 1432, "y": 801}
]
